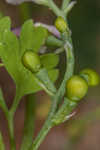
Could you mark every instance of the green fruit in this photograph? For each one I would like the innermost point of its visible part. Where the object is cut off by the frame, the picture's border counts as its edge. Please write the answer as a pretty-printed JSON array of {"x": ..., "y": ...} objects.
[
  {"x": 91, "y": 76},
  {"x": 76, "y": 88},
  {"x": 31, "y": 61},
  {"x": 60, "y": 24}
]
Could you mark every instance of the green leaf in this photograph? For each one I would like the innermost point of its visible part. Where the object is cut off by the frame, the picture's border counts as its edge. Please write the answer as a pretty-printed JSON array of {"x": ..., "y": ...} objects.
[
  {"x": 27, "y": 36},
  {"x": 53, "y": 74},
  {"x": 11, "y": 51},
  {"x": 53, "y": 77},
  {"x": 40, "y": 35},
  {"x": 5, "y": 24},
  {"x": 10, "y": 54},
  {"x": 50, "y": 60},
  {"x": 32, "y": 38}
]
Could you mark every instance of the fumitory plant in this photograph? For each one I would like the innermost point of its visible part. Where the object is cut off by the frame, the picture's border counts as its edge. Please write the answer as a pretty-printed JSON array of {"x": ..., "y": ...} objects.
[{"x": 31, "y": 57}]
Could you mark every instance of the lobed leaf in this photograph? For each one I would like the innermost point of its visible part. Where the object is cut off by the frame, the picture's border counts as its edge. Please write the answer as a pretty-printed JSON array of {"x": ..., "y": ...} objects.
[
  {"x": 32, "y": 38},
  {"x": 11, "y": 49}
]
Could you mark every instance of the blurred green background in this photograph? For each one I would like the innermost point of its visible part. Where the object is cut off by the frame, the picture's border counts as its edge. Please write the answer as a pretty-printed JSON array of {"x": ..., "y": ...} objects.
[{"x": 82, "y": 132}]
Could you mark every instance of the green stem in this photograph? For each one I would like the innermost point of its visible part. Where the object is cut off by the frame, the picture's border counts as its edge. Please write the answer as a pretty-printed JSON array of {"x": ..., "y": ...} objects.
[
  {"x": 44, "y": 131},
  {"x": 2, "y": 146},
  {"x": 65, "y": 4},
  {"x": 42, "y": 75},
  {"x": 60, "y": 93},
  {"x": 41, "y": 136},
  {"x": 64, "y": 111},
  {"x": 55, "y": 9},
  {"x": 29, "y": 122},
  {"x": 69, "y": 7},
  {"x": 10, "y": 119},
  {"x": 41, "y": 84},
  {"x": 11, "y": 132},
  {"x": 16, "y": 101}
]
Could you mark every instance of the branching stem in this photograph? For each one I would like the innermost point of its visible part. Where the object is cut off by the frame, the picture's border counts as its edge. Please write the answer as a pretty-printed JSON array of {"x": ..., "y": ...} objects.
[
  {"x": 55, "y": 9},
  {"x": 58, "y": 96}
]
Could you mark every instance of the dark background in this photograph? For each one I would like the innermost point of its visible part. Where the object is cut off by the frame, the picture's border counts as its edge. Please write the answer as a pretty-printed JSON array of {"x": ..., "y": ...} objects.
[{"x": 84, "y": 21}]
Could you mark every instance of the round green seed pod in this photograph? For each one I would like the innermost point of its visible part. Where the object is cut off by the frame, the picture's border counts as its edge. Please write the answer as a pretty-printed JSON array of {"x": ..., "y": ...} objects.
[
  {"x": 91, "y": 76},
  {"x": 31, "y": 61},
  {"x": 60, "y": 24},
  {"x": 76, "y": 88}
]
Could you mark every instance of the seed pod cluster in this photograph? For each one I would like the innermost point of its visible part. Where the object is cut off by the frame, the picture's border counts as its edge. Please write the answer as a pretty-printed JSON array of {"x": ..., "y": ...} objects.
[{"x": 77, "y": 85}]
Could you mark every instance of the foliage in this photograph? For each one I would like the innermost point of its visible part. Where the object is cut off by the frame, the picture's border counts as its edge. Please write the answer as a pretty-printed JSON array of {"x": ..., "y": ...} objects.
[
  {"x": 21, "y": 57},
  {"x": 14, "y": 48}
]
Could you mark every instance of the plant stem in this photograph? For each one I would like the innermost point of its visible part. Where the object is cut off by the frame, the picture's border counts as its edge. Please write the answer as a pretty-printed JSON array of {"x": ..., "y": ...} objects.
[
  {"x": 65, "y": 4},
  {"x": 16, "y": 101},
  {"x": 44, "y": 131},
  {"x": 55, "y": 9},
  {"x": 46, "y": 128},
  {"x": 43, "y": 86},
  {"x": 10, "y": 119},
  {"x": 2, "y": 146},
  {"x": 42, "y": 75},
  {"x": 69, "y": 7},
  {"x": 11, "y": 132},
  {"x": 60, "y": 93},
  {"x": 29, "y": 122}
]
